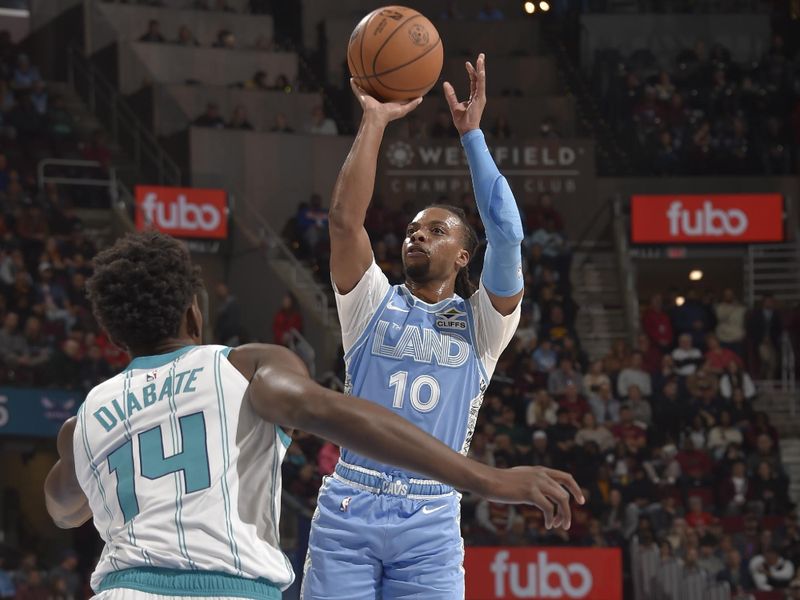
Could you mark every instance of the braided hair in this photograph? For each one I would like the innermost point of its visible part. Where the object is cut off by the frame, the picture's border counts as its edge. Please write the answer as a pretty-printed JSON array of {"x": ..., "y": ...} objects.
[{"x": 463, "y": 286}]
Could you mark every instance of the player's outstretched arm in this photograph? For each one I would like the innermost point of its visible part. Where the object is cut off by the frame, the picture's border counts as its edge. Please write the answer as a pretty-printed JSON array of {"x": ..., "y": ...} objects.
[
  {"x": 502, "y": 265},
  {"x": 281, "y": 392},
  {"x": 64, "y": 498},
  {"x": 351, "y": 252}
]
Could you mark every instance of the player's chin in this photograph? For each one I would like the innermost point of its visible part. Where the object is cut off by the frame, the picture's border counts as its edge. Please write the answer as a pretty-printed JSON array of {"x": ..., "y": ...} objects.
[{"x": 416, "y": 267}]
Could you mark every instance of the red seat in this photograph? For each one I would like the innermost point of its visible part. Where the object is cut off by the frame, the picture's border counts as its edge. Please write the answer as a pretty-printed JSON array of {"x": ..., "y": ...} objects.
[
  {"x": 732, "y": 524},
  {"x": 771, "y": 595}
]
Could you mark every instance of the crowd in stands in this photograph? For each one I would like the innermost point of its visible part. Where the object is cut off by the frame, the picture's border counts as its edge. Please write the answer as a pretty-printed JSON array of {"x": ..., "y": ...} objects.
[
  {"x": 703, "y": 112},
  {"x": 225, "y": 39},
  {"x": 318, "y": 123},
  {"x": 26, "y": 578}
]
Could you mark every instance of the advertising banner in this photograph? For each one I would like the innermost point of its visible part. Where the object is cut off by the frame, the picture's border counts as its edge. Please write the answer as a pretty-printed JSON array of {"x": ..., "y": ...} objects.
[
  {"x": 182, "y": 212},
  {"x": 706, "y": 218},
  {"x": 36, "y": 412},
  {"x": 544, "y": 572}
]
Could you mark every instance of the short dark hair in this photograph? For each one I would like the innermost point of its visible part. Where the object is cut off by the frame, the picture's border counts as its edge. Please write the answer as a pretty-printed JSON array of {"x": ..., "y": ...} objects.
[
  {"x": 141, "y": 288},
  {"x": 464, "y": 286}
]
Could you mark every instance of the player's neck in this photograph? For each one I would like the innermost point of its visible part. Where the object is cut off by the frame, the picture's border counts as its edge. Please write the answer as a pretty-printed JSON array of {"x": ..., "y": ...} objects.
[
  {"x": 431, "y": 291},
  {"x": 163, "y": 347}
]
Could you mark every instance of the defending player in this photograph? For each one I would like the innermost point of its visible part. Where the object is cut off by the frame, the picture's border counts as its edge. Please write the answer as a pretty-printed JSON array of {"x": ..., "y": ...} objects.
[
  {"x": 178, "y": 457},
  {"x": 426, "y": 350}
]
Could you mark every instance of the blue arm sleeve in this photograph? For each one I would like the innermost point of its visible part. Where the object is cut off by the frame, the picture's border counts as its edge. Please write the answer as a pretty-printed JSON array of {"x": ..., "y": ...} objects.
[{"x": 502, "y": 265}]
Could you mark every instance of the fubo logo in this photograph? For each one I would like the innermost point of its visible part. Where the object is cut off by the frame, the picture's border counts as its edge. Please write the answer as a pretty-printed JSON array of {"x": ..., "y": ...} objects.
[
  {"x": 182, "y": 212},
  {"x": 541, "y": 579},
  {"x": 706, "y": 220}
]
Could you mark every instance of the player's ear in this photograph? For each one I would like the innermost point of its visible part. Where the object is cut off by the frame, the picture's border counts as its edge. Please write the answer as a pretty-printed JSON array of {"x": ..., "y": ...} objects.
[
  {"x": 462, "y": 260},
  {"x": 194, "y": 321}
]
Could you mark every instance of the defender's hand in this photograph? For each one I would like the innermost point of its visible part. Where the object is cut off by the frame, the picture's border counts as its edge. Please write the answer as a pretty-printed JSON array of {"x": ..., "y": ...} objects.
[
  {"x": 382, "y": 112},
  {"x": 540, "y": 486},
  {"x": 467, "y": 114}
]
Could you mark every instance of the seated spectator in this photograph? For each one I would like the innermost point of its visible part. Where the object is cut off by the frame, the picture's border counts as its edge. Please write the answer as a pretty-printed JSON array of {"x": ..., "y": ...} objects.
[
  {"x": 651, "y": 355},
  {"x": 508, "y": 426},
  {"x": 640, "y": 407},
  {"x": 281, "y": 124},
  {"x": 574, "y": 403},
  {"x": 239, "y": 119},
  {"x": 604, "y": 406},
  {"x": 540, "y": 453},
  {"x": 563, "y": 376},
  {"x": 664, "y": 470},
  {"x": 696, "y": 516},
  {"x": 153, "y": 33},
  {"x": 708, "y": 561},
  {"x": 25, "y": 74},
  {"x": 735, "y": 574},
  {"x": 591, "y": 432},
  {"x": 258, "y": 82},
  {"x": 722, "y": 435},
  {"x": 312, "y": 222},
  {"x": 227, "y": 320},
  {"x": 765, "y": 452},
  {"x": 595, "y": 378},
  {"x": 495, "y": 520},
  {"x": 734, "y": 378},
  {"x": 768, "y": 491},
  {"x": 210, "y": 118},
  {"x": 617, "y": 358},
  {"x": 321, "y": 124},
  {"x": 764, "y": 330},
  {"x": 742, "y": 413},
  {"x": 629, "y": 432},
  {"x": 541, "y": 410},
  {"x": 735, "y": 490},
  {"x": 717, "y": 357},
  {"x": 562, "y": 437},
  {"x": 634, "y": 376},
  {"x": 186, "y": 37},
  {"x": 480, "y": 449},
  {"x": 94, "y": 369},
  {"x": 286, "y": 320},
  {"x": 686, "y": 357},
  {"x": 225, "y": 40},
  {"x": 282, "y": 84},
  {"x": 695, "y": 464},
  {"x": 443, "y": 125},
  {"x": 770, "y": 571},
  {"x": 545, "y": 357},
  {"x": 730, "y": 315},
  {"x": 556, "y": 328},
  {"x": 97, "y": 149},
  {"x": 697, "y": 432},
  {"x": 64, "y": 368},
  {"x": 12, "y": 343}
]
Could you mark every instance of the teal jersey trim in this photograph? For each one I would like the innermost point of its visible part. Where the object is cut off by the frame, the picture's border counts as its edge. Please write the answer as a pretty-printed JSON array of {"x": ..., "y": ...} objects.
[
  {"x": 226, "y": 350},
  {"x": 157, "y": 360},
  {"x": 285, "y": 439},
  {"x": 174, "y": 582}
]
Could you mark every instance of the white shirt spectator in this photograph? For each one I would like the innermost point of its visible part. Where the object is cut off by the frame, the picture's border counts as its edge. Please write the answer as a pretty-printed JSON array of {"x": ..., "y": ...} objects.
[
  {"x": 633, "y": 376},
  {"x": 483, "y": 517},
  {"x": 765, "y": 574},
  {"x": 730, "y": 319},
  {"x": 686, "y": 360},
  {"x": 726, "y": 389}
]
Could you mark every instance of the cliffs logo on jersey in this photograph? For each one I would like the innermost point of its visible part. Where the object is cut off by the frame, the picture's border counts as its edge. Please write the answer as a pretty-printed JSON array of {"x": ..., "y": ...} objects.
[{"x": 452, "y": 318}]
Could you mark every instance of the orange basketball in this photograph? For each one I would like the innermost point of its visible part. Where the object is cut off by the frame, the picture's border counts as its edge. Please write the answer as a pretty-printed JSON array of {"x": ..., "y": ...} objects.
[{"x": 395, "y": 53}]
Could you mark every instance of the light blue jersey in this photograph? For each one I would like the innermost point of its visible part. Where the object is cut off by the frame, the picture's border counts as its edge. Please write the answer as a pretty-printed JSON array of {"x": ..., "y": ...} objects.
[{"x": 380, "y": 531}]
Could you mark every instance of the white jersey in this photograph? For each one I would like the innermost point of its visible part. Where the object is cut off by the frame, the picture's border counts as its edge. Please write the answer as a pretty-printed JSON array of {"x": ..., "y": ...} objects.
[{"x": 180, "y": 472}]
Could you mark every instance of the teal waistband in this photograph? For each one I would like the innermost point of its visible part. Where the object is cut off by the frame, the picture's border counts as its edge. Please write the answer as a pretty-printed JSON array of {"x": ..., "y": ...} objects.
[{"x": 175, "y": 582}]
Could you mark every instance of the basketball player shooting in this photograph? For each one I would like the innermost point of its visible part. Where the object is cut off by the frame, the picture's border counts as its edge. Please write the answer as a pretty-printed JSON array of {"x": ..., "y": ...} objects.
[
  {"x": 178, "y": 457},
  {"x": 426, "y": 350}
]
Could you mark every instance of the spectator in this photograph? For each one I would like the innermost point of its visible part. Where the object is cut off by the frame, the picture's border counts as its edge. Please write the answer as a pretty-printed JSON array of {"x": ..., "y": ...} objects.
[
  {"x": 696, "y": 516},
  {"x": 321, "y": 124},
  {"x": 153, "y": 33},
  {"x": 595, "y": 378},
  {"x": 651, "y": 355},
  {"x": 257, "y": 82},
  {"x": 282, "y": 84},
  {"x": 695, "y": 464},
  {"x": 764, "y": 330},
  {"x": 64, "y": 368},
  {"x": 239, "y": 119},
  {"x": 735, "y": 574},
  {"x": 562, "y": 436},
  {"x": 734, "y": 491},
  {"x": 327, "y": 458},
  {"x": 67, "y": 571},
  {"x": 565, "y": 375},
  {"x": 730, "y": 315},
  {"x": 312, "y": 223},
  {"x": 494, "y": 519},
  {"x": 227, "y": 321},
  {"x": 545, "y": 357},
  {"x": 733, "y": 378},
  {"x": 186, "y": 37},
  {"x": 540, "y": 453},
  {"x": 591, "y": 432},
  {"x": 25, "y": 74},
  {"x": 225, "y": 40},
  {"x": 574, "y": 403},
  {"x": 12, "y": 344},
  {"x": 765, "y": 453},
  {"x": 722, "y": 435},
  {"x": 640, "y": 407},
  {"x": 708, "y": 561},
  {"x": 768, "y": 491},
  {"x": 281, "y": 124},
  {"x": 39, "y": 97},
  {"x": 479, "y": 449},
  {"x": 31, "y": 586},
  {"x": 97, "y": 149},
  {"x": 286, "y": 320},
  {"x": 94, "y": 369},
  {"x": 686, "y": 357},
  {"x": 717, "y": 357},
  {"x": 770, "y": 571},
  {"x": 604, "y": 406},
  {"x": 210, "y": 118},
  {"x": 634, "y": 375},
  {"x": 541, "y": 410},
  {"x": 7, "y": 588},
  {"x": 630, "y": 433}
]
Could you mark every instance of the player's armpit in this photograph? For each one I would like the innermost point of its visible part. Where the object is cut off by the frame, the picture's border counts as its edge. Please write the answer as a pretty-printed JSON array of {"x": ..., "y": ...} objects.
[{"x": 64, "y": 498}]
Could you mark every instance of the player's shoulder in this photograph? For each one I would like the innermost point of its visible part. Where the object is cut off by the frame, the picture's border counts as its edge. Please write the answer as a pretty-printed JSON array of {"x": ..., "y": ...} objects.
[{"x": 103, "y": 391}]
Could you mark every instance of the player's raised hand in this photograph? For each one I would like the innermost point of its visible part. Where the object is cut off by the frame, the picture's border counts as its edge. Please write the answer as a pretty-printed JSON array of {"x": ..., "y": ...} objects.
[
  {"x": 382, "y": 112},
  {"x": 467, "y": 114},
  {"x": 547, "y": 489}
]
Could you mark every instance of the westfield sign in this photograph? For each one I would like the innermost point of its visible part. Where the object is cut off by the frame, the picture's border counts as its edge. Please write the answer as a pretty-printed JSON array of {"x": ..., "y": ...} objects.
[
  {"x": 543, "y": 573},
  {"x": 707, "y": 219}
]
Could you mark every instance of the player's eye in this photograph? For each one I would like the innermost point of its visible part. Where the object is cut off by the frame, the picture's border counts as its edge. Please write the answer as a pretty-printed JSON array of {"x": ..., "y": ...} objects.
[{"x": 438, "y": 230}]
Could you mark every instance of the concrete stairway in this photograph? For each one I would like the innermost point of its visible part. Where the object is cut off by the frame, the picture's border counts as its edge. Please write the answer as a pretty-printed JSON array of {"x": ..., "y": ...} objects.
[{"x": 595, "y": 287}]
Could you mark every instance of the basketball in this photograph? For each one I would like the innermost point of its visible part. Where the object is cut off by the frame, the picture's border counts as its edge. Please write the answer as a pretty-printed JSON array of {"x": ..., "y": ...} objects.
[{"x": 395, "y": 53}]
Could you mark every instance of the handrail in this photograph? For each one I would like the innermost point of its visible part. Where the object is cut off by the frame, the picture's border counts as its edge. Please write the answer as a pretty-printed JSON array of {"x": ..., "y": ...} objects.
[
  {"x": 111, "y": 181},
  {"x": 121, "y": 118},
  {"x": 627, "y": 277},
  {"x": 590, "y": 226},
  {"x": 300, "y": 272}
]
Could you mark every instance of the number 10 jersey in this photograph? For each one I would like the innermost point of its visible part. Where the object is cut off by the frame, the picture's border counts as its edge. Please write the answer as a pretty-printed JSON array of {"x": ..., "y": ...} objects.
[
  {"x": 429, "y": 362},
  {"x": 180, "y": 472}
]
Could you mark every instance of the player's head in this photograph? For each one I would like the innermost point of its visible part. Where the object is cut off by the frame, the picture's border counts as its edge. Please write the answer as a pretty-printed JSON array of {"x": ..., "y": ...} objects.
[
  {"x": 438, "y": 247},
  {"x": 143, "y": 292}
]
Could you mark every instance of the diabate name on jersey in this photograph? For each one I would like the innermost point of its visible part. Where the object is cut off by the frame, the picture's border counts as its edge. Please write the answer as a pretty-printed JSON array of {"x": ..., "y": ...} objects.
[{"x": 119, "y": 410}]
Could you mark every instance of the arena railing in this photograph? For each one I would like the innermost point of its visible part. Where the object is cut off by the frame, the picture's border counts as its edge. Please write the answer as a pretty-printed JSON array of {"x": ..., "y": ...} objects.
[{"x": 126, "y": 128}]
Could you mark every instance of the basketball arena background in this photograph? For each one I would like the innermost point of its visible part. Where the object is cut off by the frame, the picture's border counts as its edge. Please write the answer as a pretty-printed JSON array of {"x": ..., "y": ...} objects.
[{"x": 654, "y": 149}]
